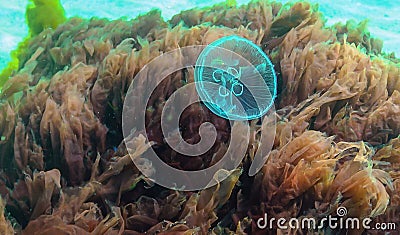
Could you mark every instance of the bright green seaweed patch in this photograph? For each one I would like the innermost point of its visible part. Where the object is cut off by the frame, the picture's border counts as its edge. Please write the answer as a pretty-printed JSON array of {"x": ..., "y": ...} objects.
[
  {"x": 11, "y": 66},
  {"x": 43, "y": 14},
  {"x": 40, "y": 15}
]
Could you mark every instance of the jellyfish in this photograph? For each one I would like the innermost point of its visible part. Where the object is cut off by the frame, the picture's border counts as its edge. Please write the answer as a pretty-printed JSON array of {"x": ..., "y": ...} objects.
[{"x": 245, "y": 77}]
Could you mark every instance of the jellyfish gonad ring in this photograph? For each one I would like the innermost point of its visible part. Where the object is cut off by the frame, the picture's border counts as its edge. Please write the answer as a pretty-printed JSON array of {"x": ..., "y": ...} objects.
[{"x": 245, "y": 75}]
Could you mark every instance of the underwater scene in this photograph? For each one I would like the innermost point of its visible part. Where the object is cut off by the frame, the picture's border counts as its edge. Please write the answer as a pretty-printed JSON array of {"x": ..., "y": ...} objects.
[{"x": 199, "y": 117}]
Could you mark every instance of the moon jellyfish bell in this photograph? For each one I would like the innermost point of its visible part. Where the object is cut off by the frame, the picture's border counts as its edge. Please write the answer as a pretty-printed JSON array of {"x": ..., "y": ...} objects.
[{"x": 235, "y": 79}]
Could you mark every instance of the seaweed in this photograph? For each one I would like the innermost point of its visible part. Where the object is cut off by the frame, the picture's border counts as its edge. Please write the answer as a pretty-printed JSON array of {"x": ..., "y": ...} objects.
[
  {"x": 5, "y": 226},
  {"x": 40, "y": 15},
  {"x": 65, "y": 166}
]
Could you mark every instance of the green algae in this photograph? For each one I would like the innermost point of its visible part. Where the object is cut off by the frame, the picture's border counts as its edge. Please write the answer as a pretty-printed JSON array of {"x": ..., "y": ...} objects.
[
  {"x": 40, "y": 15},
  {"x": 43, "y": 14}
]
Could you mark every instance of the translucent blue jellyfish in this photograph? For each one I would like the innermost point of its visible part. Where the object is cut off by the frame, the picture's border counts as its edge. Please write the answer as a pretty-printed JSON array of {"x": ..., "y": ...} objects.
[{"x": 235, "y": 79}]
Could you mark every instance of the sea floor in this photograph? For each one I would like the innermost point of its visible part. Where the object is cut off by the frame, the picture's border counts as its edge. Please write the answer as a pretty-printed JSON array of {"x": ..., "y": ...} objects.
[{"x": 384, "y": 21}]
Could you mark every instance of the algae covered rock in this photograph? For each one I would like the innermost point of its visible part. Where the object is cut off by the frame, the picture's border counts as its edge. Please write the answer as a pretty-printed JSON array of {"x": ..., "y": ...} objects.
[{"x": 63, "y": 161}]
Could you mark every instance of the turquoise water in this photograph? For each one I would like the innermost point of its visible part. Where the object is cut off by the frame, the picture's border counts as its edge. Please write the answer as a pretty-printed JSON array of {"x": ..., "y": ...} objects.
[{"x": 383, "y": 15}]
